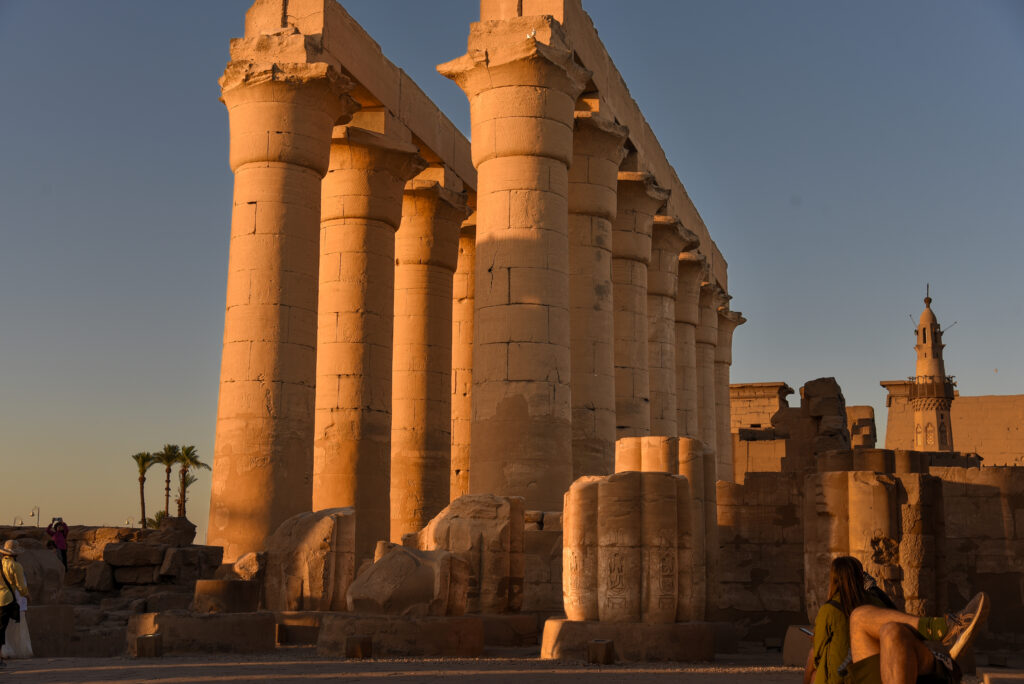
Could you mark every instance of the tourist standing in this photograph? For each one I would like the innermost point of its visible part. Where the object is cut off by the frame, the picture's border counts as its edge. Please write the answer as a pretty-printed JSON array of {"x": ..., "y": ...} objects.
[
  {"x": 58, "y": 531},
  {"x": 12, "y": 578}
]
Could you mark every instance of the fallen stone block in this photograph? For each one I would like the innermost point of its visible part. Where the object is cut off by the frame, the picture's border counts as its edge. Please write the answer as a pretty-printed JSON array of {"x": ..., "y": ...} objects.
[
  {"x": 44, "y": 573},
  {"x": 166, "y": 600},
  {"x": 99, "y": 576},
  {"x": 393, "y": 635},
  {"x": 410, "y": 582},
  {"x": 173, "y": 532},
  {"x": 214, "y": 633},
  {"x": 310, "y": 561},
  {"x": 634, "y": 641},
  {"x": 226, "y": 596},
  {"x": 132, "y": 554},
  {"x": 141, "y": 574},
  {"x": 190, "y": 563}
]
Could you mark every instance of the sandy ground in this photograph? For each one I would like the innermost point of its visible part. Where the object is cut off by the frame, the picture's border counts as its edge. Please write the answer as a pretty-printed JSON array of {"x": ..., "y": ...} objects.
[{"x": 302, "y": 665}]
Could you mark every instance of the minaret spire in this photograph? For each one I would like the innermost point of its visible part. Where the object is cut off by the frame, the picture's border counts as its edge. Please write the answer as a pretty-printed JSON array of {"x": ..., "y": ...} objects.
[{"x": 932, "y": 390}]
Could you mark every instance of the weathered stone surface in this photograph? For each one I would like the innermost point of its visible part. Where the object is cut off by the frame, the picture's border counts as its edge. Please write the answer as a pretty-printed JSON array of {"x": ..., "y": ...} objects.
[
  {"x": 311, "y": 561},
  {"x": 226, "y": 596},
  {"x": 99, "y": 576},
  {"x": 44, "y": 573},
  {"x": 50, "y": 627},
  {"x": 486, "y": 532},
  {"x": 190, "y": 563},
  {"x": 214, "y": 633},
  {"x": 167, "y": 600},
  {"x": 412, "y": 583},
  {"x": 131, "y": 554},
  {"x": 397, "y": 636},
  {"x": 634, "y": 641},
  {"x": 139, "y": 574},
  {"x": 173, "y": 532}
]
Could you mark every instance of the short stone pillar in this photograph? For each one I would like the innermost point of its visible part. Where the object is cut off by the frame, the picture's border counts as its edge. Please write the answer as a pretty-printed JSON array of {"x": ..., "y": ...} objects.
[
  {"x": 626, "y": 556},
  {"x": 362, "y": 209},
  {"x": 522, "y": 94},
  {"x": 653, "y": 454},
  {"x": 463, "y": 297},
  {"x": 281, "y": 117},
  {"x": 426, "y": 253},
  {"x": 669, "y": 238},
  {"x": 639, "y": 199},
  {"x": 691, "y": 271},
  {"x": 728, "y": 321},
  {"x": 826, "y": 532},
  {"x": 597, "y": 152},
  {"x": 693, "y": 595}
]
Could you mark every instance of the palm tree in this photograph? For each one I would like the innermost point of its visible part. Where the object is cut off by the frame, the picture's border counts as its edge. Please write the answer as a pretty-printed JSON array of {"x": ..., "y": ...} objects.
[
  {"x": 167, "y": 458},
  {"x": 144, "y": 460},
  {"x": 154, "y": 522},
  {"x": 188, "y": 458}
]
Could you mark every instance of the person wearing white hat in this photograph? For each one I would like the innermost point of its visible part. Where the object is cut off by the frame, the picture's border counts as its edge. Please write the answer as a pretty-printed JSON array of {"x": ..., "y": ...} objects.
[{"x": 12, "y": 577}]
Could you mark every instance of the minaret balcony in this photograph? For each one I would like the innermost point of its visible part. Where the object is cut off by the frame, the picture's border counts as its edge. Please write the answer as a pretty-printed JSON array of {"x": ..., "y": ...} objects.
[{"x": 931, "y": 386}]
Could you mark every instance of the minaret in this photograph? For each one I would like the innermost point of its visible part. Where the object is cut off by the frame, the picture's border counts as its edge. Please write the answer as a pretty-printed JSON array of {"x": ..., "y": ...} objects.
[{"x": 931, "y": 393}]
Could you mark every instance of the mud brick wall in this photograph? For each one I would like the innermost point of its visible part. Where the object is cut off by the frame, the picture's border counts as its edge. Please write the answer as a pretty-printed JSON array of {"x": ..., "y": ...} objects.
[
  {"x": 760, "y": 582},
  {"x": 984, "y": 528}
]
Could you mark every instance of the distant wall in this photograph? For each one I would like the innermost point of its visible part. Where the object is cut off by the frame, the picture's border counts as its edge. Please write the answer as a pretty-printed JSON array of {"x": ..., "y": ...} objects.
[{"x": 991, "y": 426}]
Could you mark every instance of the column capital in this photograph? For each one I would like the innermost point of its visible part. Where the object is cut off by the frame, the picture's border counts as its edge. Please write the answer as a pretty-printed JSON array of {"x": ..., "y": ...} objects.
[
  {"x": 728, "y": 321},
  {"x": 284, "y": 112},
  {"x": 707, "y": 324},
  {"x": 432, "y": 239},
  {"x": 518, "y": 51},
  {"x": 367, "y": 174},
  {"x": 639, "y": 199},
  {"x": 597, "y": 135},
  {"x": 468, "y": 227},
  {"x": 670, "y": 235},
  {"x": 691, "y": 271}
]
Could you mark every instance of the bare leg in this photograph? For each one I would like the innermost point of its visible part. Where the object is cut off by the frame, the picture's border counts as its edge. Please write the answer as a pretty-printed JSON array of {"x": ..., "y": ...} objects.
[
  {"x": 866, "y": 624},
  {"x": 903, "y": 656}
]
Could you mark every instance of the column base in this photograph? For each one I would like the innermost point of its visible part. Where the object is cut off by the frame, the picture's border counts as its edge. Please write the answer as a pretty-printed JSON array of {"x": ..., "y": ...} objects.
[{"x": 634, "y": 641}]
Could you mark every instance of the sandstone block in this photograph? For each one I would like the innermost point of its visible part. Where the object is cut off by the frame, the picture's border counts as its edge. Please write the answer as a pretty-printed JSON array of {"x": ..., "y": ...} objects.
[
  {"x": 310, "y": 561},
  {"x": 138, "y": 574},
  {"x": 132, "y": 554},
  {"x": 167, "y": 600},
  {"x": 215, "y": 633},
  {"x": 398, "y": 636},
  {"x": 412, "y": 583},
  {"x": 99, "y": 576},
  {"x": 44, "y": 573},
  {"x": 190, "y": 563},
  {"x": 226, "y": 596},
  {"x": 173, "y": 532}
]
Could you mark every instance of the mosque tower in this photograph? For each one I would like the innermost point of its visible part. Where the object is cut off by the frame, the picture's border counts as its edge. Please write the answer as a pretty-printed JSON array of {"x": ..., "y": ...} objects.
[{"x": 931, "y": 391}]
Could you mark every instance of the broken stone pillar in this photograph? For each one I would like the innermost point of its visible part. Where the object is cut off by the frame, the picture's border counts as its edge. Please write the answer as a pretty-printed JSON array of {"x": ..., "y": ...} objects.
[
  {"x": 727, "y": 323},
  {"x": 691, "y": 271},
  {"x": 875, "y": 529},
  {"x": 426, "y": 252},
  {"x": 522, "y": 83},
  {"x": 623, "y": 537},
  {"x": 826, "y": 532},
  {"x": 362, "y": 209},
  {"x": 693, "y": 593},
  {"x": 463, "y": 297},
  {"x": 410, "y": 582},
  {"x": 921, "y": 542},
  {"x": 654, "y": 454},
  {"x": 281, "y": 117},
  {"x": 597, "y": 152},
  {"x": 639, "y": 199},
  {"x": 668, "y": 239}
]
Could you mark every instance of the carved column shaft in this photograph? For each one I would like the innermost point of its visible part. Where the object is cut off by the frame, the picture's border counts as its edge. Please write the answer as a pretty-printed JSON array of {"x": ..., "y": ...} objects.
[
  {"x": 727, "y": 323},
  {"x": 691, "y": 270},
  {"x": 463, "y": 297}
]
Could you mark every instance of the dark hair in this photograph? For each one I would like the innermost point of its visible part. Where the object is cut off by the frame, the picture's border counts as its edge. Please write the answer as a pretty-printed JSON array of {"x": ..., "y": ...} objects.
[{"x": 846, "y": 583}]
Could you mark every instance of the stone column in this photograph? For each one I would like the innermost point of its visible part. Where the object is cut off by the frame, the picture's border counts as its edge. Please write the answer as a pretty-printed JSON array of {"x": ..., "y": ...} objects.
[
  {"x": 691, "y": 272},
  {"x": 362, "y": 209},
  {"x": 639, "y": 199},
  {"x": 522, "y": 83},
  {"x": 426, "y": 252},
  {"x": 281, "y": 117},
  {"x": 463, "y": 297},
  {"x": 597, "y": 152},
  {"x": 669, "y": 238},
  {"x": 693, "y": 594},
  {"x": 727, "y": 323}
]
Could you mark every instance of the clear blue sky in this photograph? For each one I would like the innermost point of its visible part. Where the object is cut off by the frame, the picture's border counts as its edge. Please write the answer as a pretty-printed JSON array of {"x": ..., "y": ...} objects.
[{"x": 842, "y": 154}]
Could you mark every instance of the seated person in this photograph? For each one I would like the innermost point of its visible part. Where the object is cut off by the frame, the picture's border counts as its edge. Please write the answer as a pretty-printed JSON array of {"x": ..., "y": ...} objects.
[
  {"x": 891, "y": 647},
  {"x": 848, "y": 588}
]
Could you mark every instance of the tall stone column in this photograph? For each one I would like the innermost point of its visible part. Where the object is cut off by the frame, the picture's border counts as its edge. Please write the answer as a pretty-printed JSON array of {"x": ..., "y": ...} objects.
[
  {"x": 522, "y": 83},
  {"x": 727, "y": 323},
  {"x": 426, "y": 253},
  {"x": 691, "y": 272},
  {"x": 707, "y": 339},
  {"x": 281, "y": 117},
  {"x": 362, "y": 209},
  {"x": 593, "y": 180},
  {"x": 669, "y": 238},
  {"x": 639, "y": 199},
  {"x": 463, "y": 297}
]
